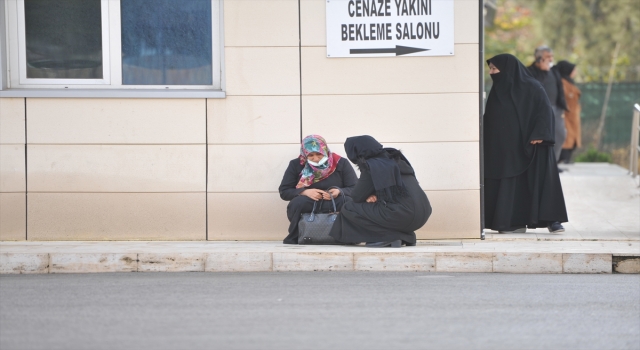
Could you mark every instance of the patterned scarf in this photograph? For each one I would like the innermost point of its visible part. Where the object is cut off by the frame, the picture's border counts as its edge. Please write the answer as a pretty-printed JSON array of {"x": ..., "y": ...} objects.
[{"x": 310, "y": 173}]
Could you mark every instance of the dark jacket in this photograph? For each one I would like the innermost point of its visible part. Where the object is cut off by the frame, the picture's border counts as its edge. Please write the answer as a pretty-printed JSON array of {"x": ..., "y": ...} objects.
[
  {"x": 540, "y": 75},
  {"x": 343, "y": 177}
]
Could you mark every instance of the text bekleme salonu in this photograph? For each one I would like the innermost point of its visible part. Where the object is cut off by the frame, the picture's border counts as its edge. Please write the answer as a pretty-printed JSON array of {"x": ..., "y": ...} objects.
[{"x": 385, "y": 31}]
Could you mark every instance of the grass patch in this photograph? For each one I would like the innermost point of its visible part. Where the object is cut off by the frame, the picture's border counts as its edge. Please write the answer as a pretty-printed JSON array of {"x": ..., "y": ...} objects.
[{"x": 593, "y": 156}]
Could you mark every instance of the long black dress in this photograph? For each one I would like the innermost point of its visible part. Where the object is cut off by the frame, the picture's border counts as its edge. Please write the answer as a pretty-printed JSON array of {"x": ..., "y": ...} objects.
[
  {"x": 388, "y": 219},
  {"x": 343, "y": 177},
  {"x": 552, "y": 84},
  {"x": 522, "y": 186}
]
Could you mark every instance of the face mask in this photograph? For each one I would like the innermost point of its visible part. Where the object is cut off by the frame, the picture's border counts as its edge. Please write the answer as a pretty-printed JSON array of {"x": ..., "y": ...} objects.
[
  {"x": 320, "y": 163},
  {"x": 496, "y": 77}
]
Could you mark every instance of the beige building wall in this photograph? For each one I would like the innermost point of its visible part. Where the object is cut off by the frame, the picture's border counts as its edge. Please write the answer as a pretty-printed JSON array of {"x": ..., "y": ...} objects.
[
  {"x": 12, "y": 170},
  {"x": 196, "y": 169},
  {"x": 116, "y": 169}
]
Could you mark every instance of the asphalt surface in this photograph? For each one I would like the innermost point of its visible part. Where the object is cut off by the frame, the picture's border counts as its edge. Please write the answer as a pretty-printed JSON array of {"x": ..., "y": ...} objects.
[{"x": 315, "y": 310}]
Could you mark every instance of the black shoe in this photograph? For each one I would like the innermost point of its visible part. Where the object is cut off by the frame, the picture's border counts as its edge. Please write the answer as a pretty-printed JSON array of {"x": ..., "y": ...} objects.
[
  {"x": 392, "y": 244},
  {"x": 555, "y": 227},
  {"x": 409, "y": 244}
]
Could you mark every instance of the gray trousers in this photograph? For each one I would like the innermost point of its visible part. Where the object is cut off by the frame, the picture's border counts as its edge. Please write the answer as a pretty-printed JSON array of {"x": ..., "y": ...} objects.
[{"x": 560, "y": 131}]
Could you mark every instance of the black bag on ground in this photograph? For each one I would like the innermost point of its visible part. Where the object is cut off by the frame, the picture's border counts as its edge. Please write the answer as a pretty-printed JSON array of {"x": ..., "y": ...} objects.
[{"x": 314, "y": 228}]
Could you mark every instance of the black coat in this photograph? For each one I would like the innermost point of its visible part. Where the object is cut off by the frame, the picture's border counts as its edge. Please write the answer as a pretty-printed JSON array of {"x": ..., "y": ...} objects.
[
  {"x": 343, "y": 177},
  {"x": 517, "y": 112},
  {"x": 540, "y": 76},
  {"x": 382, "y": 221},
  {"x": 522, "y": 186}
]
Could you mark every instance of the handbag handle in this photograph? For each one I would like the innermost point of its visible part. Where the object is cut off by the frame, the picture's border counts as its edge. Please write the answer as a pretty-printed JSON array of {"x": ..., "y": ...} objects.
[
  {"x": 337, "y": 188},
  {"x": 313, "y": 211}
]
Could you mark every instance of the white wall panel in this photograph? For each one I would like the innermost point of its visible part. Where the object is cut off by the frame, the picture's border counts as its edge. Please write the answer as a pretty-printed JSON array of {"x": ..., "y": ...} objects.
[
  {"x": 249, "y": 168},
  {"x": 247, "y": 216},
  {"x": 456, "y": 214},
  {"x": 13, "y": 213},
  {"x": 12, "y": 120},
  {"x": 466, "y": 17},
  {"x": 393, "y": 117},
  {"x": 261, "y": 23},
  {"x": 254, "y": 119},
  {"x": 262, "y": 71},
  {"x": 389, "y": 75},
  {"x": 116, "y": 216},
  {"x": 12, "y": 169},
  {"x": 116, "y": 121},
  {"x": 122, "y": 168},
  {"x": 444, "y": 165}
]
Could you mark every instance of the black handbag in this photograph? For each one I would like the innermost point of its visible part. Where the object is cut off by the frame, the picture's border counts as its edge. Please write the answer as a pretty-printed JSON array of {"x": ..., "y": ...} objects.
[{"x": 314, "y": 228}]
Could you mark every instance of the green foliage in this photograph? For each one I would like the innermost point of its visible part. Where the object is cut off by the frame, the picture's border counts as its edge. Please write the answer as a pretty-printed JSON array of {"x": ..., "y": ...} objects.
[
  {"x": 593, "y": 156},
  {"x": 511, "y": 31},
  {"x": 581, "y": 31},
  {"x": 586, "y": 32}
]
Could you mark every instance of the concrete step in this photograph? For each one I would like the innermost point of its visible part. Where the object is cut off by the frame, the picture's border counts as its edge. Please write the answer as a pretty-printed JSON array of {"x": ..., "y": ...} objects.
[{"x": 439, "y": 256}]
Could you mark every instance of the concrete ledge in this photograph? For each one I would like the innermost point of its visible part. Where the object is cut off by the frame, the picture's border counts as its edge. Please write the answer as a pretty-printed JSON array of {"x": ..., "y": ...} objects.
[
  {"x": 527, "y": 262},
  {"x": 587, "y": 263},
  {"x": 312, "y": 261},
  {"x": 239, "y": 262},
  {"x": 91, "y": 262},
  {"x": 464, "y": 262},
  {"x": 18, "y": 263},
  {"x": 626, "y": 264},
  {"x": 171, "y": 262},
  {"x": 394, "y": 261},
  {"x": 468, "y": 256}
]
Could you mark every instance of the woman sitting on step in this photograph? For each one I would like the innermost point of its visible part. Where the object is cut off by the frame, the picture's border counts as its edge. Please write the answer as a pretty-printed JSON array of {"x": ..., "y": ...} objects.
[
  {"x": 388, "y": 204},
  {"x": 310, "y": 178}
]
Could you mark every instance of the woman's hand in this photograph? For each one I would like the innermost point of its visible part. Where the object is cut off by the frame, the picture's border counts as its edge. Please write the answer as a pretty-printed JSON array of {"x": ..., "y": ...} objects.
[
  {"x": 535, "y": 142},
  {"x": 314, "y": 194},
  {"x": 372, "y": 198},
  {"x": 334, "y": 192}
]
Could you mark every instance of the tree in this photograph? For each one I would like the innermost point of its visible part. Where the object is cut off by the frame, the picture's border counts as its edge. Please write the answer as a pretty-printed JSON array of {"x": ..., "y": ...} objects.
[
  {"x": 581, "y": 31},
  {"x": 587, "y": 31}
]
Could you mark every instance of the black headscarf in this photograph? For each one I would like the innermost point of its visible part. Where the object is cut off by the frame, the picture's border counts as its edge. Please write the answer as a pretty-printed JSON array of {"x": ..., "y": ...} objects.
[
  {"x": 517, "y": 112},
  {"x": 368, "y": 153},
  {"x": 565, "y": 68}
]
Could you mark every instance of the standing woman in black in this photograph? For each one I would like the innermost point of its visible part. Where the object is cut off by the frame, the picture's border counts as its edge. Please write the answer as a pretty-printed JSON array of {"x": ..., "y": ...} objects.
[
  {"x": 388, "y": 204},
  {"x": 522, "y": 186},
  {"x": 311, "y": 177}
]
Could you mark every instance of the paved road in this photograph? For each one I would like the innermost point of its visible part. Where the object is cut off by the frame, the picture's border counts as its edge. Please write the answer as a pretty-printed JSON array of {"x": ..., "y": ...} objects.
[{"x": 315, "y": 310}]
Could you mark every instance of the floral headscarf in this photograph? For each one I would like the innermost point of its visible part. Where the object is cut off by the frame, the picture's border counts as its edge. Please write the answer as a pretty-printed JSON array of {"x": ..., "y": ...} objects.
[{"x": 310, "y": 173}]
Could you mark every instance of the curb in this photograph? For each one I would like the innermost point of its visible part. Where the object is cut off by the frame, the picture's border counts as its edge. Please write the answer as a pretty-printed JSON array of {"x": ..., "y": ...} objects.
[{"x": 484, "y": 262}]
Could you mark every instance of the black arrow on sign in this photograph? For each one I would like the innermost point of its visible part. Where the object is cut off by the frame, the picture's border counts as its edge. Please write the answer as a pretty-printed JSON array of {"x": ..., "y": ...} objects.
[{"x": 398, "y": 50}]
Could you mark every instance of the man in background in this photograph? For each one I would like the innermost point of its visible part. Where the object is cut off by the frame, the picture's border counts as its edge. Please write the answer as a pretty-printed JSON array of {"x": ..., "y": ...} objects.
[{"x": 552, "y": 83}]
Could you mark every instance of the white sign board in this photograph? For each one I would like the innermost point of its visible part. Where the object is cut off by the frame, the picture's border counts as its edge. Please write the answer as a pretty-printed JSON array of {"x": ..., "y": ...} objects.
[{"x": 384, "y": 28}]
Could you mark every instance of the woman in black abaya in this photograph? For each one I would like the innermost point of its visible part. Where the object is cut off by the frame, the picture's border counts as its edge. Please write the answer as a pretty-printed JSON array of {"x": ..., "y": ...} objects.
[
  {"x": 522, "y": 186},
  {"x": 388, "y": 204}
]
